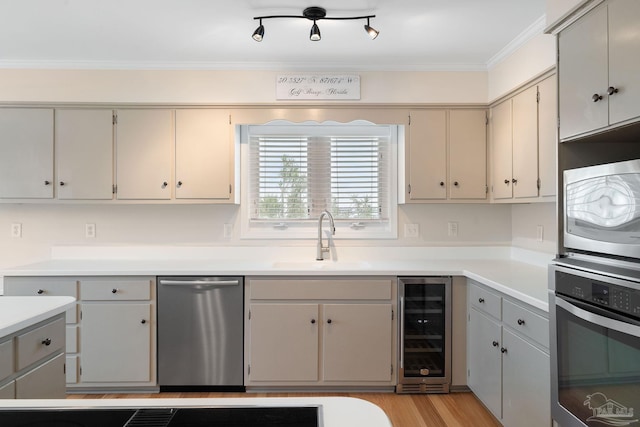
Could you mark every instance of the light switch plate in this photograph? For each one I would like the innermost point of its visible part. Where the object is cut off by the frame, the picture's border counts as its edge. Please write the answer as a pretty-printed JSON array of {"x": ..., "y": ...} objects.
[
  {"x": 90, "y": 231},
  {"x": 539, "y": 233},
  {"x": 453, "y": 229},
  {"x": 16, "y": 229},
  {"x": 228, "y": 231},
  {"x": 411, "y": 230}
]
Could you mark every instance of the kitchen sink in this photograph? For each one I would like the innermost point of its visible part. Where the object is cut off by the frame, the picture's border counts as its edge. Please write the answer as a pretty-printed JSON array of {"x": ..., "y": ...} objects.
[{"x": 321, "y": 265}]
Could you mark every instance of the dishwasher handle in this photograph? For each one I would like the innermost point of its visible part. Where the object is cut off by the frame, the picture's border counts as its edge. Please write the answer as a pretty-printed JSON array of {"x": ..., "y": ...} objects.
[{"x": 199, "y": 282}]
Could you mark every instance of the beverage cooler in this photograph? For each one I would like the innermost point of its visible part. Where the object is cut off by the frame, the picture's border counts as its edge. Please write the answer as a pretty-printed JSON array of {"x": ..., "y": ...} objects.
[{"x": 425, "y": 335}]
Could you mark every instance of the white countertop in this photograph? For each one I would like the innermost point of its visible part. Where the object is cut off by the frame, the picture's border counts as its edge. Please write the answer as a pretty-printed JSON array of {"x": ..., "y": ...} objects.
[
  {"x": 17, "y": 313},
  {"x": 524, "y": 281},
  {"x": 336, "y": 411}
]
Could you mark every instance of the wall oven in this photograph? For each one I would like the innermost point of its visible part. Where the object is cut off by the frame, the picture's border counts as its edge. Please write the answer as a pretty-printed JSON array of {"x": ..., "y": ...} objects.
[{"x": 595, "y": 344}]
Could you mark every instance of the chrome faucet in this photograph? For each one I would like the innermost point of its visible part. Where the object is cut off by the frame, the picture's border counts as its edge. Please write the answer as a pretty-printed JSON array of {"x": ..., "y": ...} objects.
[{"x": 321, "y": 248}]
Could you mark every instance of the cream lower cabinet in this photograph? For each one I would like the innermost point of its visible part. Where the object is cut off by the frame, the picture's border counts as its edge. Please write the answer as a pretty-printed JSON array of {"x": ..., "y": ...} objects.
[
  {"x": 110, "y": 333},
  {"x": 508, "y": 363},
  {"x": 304, "y": 332}
]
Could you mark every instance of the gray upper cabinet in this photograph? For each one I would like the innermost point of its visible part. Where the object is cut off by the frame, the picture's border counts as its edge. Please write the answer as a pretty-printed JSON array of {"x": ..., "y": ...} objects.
[
  {"x": 599, "y": 81},
  {"x": 26, "y": 153},
  {"x": 84, "y": 154}
]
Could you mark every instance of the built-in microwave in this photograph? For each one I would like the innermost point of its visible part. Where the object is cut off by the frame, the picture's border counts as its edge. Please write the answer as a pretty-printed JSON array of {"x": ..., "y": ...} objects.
[{"x": 602, "y": 209}]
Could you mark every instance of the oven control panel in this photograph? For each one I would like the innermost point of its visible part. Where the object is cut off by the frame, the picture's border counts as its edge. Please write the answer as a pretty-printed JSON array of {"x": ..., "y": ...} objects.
[{"x": 608, "y": 295}]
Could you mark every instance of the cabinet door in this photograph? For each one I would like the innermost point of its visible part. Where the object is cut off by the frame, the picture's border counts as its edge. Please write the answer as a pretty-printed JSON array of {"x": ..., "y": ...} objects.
[
  {"x": 144, "y": 142},
  {"x": 547, "y": 135},
  {"x": 624, "y": 73},
  {"x": 467, "y": 154},
  {"x": 427, "y": 155},
  {"x": 284, "y": 342},
  {"x": 583, "y": 73},
  {"x": 524, "y": 110},
  {"x": 483, "y": 361},
  {"x": 526, "y": 383},
  {"x": 26, "y": 153},
  {"x": 115, "y": 343},
  {"x": 84, "y": 154},
  {"x": 46, "y": 381},
  {"x": 203, "y": 154},
  {"x": 501, "y": 150},
  {"x": 357, "y": 342}
]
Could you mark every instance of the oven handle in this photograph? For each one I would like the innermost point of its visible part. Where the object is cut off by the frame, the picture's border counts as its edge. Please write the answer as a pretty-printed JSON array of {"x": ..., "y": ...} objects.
[{"x": 616, "y": 325}]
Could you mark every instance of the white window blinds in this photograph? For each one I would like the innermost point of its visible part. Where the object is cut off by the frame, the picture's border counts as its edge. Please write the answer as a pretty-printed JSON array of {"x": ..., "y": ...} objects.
[{"x": 298, "y": 171}]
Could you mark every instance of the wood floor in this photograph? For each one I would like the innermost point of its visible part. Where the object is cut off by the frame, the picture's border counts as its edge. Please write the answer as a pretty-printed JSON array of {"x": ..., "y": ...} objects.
[{"x": 404, "y": 410}]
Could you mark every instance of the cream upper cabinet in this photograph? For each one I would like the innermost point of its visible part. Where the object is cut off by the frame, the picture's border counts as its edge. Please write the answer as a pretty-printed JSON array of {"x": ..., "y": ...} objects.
[
  {"x": 446, "y": 158},
  {"x": 84, "y": 154},
  {"x": 144, "y": 152},
  {"x": 523, "y": 144},
  {"x": 598, "y": 75},
  {"x": 204, "y": 153},
  {"x": 26, "y": 153},
  {"x": 427, "y": 155}
]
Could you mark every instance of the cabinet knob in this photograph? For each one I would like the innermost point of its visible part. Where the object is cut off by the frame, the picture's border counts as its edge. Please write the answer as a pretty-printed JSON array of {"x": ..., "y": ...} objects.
[
  {"x": 520, "y": 322},
  {"x": 495, "y": 343},
  {"x": 503, "y": 350},
  {"x": 328, "y": 320},
  {"x": 179, "y": 184},
  {"x": 47, "y": 182},
  {"x": 596, "y": 97},
  {"x": 313, "y": 321},
  {"x": 46, "y": 341},
  {"x": 481, "y": 300},
  {"x": 612, "y": 90},
  {"x": 164, "y": 184},
  {"x": 62, "y": 183},
  {"x": 506, "y": 181},
  {"x": 441, "y": 184},
  {"x": 515, "y": 181},
  {"x": 455, "y": 183},
  {"x": 143, "y": 321},
  {"x": 40, "y": 291},
  {"x": 114, "y": 290}
]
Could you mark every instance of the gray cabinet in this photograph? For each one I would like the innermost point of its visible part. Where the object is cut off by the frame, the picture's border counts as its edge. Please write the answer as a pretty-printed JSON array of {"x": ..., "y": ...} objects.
[
  {"x": 599, "y": 81},
  {"x": 508, "y": 358}
]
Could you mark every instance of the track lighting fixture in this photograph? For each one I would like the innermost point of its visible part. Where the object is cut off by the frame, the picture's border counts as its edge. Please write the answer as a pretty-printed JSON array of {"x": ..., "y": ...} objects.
[{"x": 315, "y": 14}]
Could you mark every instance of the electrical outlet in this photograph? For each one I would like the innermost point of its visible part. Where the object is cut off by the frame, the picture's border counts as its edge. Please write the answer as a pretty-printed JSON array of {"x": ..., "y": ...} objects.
[
  {"x": 90, "y": 231},
  {"x": 16, "y": 229},
  {"x": 539, "y": 233},
  {"x": 453, "y": 229},
  {"x": 228, "y": 231},
  {"x": 411, "y": 230}
]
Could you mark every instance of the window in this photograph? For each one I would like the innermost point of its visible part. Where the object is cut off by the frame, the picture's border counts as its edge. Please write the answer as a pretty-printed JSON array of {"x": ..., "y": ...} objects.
[{"x": 294, "y": 172}]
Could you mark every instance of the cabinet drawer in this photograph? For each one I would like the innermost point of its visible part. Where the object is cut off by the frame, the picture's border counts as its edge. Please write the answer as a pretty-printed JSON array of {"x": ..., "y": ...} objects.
[
  {"x": 485, "y": 301},
  {"x": 44, "y": 382},
  {"x": 25, "y": 286},
  {"x": 115, "y": 290},
  {"x": 526, "y": 322},
  {"x": 71, "y": 371},
  {"x": 39, "y": 343},
  {"x": 327, "y": 289},
  {"x": 72, "y": 339},
  {"x": 6, "y": 359}
]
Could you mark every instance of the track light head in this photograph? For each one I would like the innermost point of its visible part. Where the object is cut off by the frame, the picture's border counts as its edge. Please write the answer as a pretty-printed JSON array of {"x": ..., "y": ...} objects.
[
  {"x": 373, "y": 33},
  {"x": 258, "y": 34},
  {"x": 314, "y": 36}
]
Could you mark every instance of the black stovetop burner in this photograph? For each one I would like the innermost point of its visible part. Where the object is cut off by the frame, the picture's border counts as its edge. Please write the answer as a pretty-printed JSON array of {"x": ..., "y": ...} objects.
[{"x": 291, "y": 416}]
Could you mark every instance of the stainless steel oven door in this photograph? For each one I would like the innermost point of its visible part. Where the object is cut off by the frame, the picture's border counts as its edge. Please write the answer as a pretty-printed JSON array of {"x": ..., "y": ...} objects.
[{"x": 595, "y": 365}]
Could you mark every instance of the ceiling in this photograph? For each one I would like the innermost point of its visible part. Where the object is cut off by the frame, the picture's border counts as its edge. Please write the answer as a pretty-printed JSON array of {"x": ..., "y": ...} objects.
[{"x": 216, "y": 34}]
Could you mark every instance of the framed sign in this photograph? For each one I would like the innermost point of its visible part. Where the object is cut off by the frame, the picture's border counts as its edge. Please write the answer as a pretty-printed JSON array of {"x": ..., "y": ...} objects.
[{"x": 318, "y": 86}]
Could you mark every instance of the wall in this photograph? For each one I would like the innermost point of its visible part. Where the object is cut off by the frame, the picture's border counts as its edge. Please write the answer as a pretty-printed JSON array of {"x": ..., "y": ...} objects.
[{"x": 525, "y": 218}]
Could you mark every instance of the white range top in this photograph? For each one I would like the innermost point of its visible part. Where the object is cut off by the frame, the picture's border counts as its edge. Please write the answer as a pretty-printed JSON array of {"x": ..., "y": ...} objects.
[
  {"x": 17, "y": 313},
  {"x": 336, "y": 411},
  {"x": 495, "y": 268}
]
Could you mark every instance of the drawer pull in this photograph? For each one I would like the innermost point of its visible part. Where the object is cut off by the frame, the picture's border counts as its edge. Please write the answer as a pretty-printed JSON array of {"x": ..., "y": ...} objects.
[
  {"x": 46, "y": 341},
  {"x": 503, "y": 350},
  {"x": 329, "y": 321},
  {"x": 495, "y": 343},
  {"x": 481, "y": 300},
  {"x": 520, "y": 322},
  {"x": 313, "y": 321},
  {"x": 114, "y": 290},
  {"x": 143, "y": 321},
  {"x": 40, "y": 291}
]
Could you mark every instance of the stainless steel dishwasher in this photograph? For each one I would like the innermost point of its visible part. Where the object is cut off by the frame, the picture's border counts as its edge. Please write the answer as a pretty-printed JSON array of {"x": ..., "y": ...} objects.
[{"x": 200, "y": 333}]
